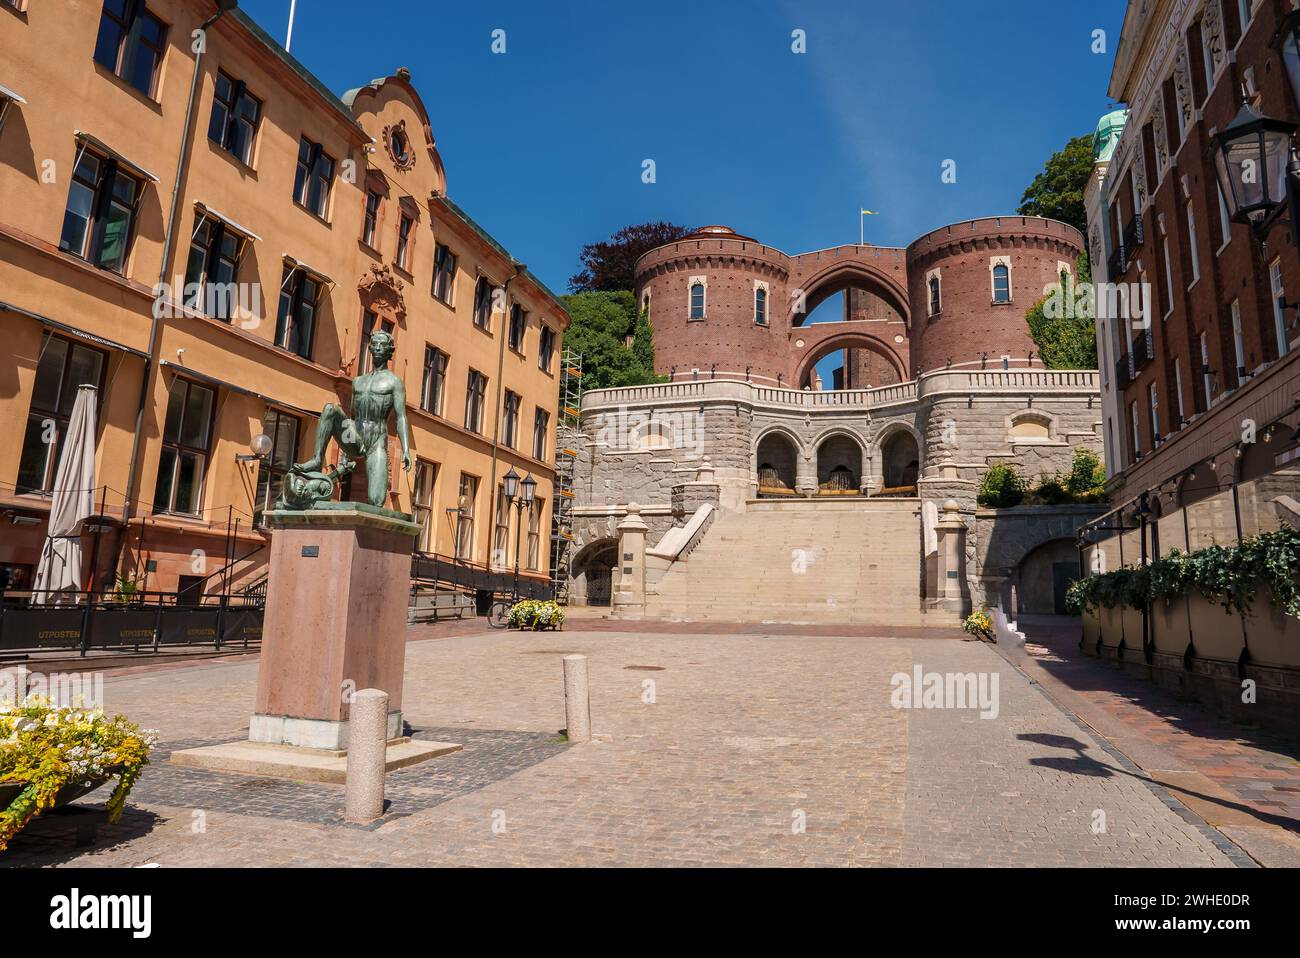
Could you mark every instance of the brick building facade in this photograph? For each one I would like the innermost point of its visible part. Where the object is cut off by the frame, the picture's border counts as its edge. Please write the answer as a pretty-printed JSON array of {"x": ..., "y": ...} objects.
[{"x": 1200, "y": 370}]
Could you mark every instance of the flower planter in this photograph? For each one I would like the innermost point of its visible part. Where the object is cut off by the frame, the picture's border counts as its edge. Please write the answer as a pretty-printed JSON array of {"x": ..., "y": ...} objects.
[{"x": 67, "y": 794}]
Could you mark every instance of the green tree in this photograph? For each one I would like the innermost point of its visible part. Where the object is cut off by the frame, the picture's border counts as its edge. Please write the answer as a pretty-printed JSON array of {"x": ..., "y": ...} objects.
[
  {"x": 1061, "y": 323},
  {"x": 608, "y": 266},
  {"x": 614, "y": 341},
  {"x": 1057, "y": 192}
]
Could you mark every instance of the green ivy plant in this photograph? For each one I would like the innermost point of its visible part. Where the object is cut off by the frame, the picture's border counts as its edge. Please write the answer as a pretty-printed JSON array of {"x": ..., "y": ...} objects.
[{"x": 1228, "y": 575}]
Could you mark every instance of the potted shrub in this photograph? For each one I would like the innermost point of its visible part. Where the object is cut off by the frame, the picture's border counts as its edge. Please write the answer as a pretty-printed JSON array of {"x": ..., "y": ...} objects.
[
  {"x": 52, "y": 755},
  {"x": 536, "y": 614},
  {"x": 979, "y": 624}
]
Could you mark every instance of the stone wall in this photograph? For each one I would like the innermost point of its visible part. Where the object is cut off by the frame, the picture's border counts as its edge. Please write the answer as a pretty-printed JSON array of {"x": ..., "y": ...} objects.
[{"x": 642, "y": 444}]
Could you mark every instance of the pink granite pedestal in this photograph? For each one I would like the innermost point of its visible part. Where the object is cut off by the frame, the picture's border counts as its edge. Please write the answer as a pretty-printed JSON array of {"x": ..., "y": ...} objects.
[{"x": 336, "y": 606}]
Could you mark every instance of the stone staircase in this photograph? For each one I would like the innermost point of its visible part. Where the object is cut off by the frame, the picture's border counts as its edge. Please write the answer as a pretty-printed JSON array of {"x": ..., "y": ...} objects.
[{"x": 828, "y": 561}]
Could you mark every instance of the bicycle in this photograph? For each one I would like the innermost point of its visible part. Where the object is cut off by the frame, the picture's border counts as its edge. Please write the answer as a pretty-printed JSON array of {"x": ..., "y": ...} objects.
[{"x": 499, "y": 613}]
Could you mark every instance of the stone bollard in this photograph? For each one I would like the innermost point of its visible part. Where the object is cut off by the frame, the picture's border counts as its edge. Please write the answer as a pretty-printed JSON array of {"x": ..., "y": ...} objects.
[
  {"x": 577, "y": 700},
  {"x": 367, "y": 741}
]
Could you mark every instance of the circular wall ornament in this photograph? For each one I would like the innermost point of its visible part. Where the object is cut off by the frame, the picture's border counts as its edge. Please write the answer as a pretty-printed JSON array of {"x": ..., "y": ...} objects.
[
  {"x": 398, "y": 145},
  {"x": 898, "y": 339},
  {"x": 799, "y": 343}
]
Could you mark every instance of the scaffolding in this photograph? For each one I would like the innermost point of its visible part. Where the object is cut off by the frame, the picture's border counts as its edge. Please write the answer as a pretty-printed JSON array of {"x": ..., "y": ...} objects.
[{"x": 567, "y": 436}]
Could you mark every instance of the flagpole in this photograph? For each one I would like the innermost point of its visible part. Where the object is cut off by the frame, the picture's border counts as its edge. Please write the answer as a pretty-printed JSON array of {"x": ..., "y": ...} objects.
[
  {"x": 862, "y": 230},
  {"x": 289, "y": 36}
]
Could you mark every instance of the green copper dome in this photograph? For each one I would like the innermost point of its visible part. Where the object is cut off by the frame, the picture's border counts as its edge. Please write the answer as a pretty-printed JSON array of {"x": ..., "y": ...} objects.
[{"x": 1109, "y": 127}]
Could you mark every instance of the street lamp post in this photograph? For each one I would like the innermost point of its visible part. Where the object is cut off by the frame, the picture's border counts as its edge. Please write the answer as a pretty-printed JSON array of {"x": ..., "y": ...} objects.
[{"x": 520, "y": 493}]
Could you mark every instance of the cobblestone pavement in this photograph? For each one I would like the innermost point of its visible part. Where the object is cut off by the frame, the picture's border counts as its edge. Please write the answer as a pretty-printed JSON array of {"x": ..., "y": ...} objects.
[
  {"x": 709, "y": 749},
  {"x": 1243, "y": 780}
]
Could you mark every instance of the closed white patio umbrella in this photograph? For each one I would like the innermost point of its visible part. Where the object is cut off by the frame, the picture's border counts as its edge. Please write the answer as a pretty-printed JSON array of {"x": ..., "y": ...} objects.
[{"x": 58, "y": 577}]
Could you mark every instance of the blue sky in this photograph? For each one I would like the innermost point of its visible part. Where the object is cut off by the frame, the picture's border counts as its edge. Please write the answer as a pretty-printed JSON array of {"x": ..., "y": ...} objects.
[{"x": 544, "y": 144}]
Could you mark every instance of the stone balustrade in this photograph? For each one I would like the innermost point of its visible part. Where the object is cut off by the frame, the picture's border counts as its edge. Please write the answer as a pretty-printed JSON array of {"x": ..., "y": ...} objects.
[{"x": 988, "y": 381}]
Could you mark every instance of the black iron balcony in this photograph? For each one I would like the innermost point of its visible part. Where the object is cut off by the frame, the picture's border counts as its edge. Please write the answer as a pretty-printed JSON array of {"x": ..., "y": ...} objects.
[
  {"x": 1117, "y": 262},
  {"x": 1142, "y": 349},
  {"x": 1122, "y": 377},
  {"x": 1132, "y": 235}
]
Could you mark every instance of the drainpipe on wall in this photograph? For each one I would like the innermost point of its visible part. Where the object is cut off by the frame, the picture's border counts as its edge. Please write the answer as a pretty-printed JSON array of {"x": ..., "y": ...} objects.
[
  {"x": 496, "y": 427},
  {"x": 150, "y": 364}
]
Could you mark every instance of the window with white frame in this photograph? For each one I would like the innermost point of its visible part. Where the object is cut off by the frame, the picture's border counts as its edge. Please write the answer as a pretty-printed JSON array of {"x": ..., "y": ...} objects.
[
  {"x": 1225, "y": 222},
  {"x": 1178, "y": 391},
  {"x": 1207, "y": 55},
  {"x": 444, "y": 273},
  {"x": 1137, "y": 435},
  {"x": 1000, "y": 276},
  {"x": 698, "y": 289},
  {"x": 535, "y": 533},
  {"x": 98, "y": 223},
  {"x": 422, "y": 503},
  {"x": 313, "y": 177},
  {"x": 1205, "y": 370},
  {"x": 61, "y": 367},
  {"x": 935, "y": 292},
  {"x": 182, "y": 461},
  {"x": 1279, "y": 297},
  {"x": 1238, "y": 341},
  {"x": 1169, "y": 279},
  {"x": 1192, "y": 249},
  {"x": 760, "y": 303},
  {"x": 1155, "y": 414}
]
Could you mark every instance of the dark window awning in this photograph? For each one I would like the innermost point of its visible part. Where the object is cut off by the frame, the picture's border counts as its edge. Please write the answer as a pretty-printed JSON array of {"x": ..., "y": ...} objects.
[
  {"x": 243, "y": 391},
  {"x": 71, "y": 330},
  {"x": 207, "y": 210},
  {"x": 102, "y": 147},
  {"x": 9, "y": 94}
]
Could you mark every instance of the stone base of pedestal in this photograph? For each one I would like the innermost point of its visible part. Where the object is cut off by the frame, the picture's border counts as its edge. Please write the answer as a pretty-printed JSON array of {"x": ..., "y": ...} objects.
[
  {"x": 309, "y": 733},
  {"x": 302, "y": 764}
]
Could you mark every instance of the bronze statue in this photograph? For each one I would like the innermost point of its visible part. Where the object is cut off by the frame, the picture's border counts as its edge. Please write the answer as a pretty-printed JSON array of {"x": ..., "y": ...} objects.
[{"x": 375, "y": 395}]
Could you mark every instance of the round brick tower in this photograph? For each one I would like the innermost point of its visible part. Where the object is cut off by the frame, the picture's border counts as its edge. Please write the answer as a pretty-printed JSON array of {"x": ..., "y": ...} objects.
[
  {"x": 970, "y": 285},
  {"x": 718, "y": 305}
]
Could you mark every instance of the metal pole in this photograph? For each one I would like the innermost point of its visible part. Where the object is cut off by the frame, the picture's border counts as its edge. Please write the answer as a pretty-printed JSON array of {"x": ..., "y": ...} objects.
[{"x": 519, "y": 522}]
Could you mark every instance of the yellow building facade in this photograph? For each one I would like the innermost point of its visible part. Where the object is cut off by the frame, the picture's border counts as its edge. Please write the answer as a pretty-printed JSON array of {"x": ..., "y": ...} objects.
[{"x": 192, "y": 223}]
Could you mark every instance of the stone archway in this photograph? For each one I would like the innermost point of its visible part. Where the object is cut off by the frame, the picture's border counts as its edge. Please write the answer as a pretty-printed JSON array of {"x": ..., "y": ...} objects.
[
  {"x": 841, "y": 462},
  {"x": 776, "y": 464},
  {"x": 812, "y": 344},
  {"x": 1044, "y": 574},
  {"x": 592, "y": 580},
  {"x": 900, "y": 462}
]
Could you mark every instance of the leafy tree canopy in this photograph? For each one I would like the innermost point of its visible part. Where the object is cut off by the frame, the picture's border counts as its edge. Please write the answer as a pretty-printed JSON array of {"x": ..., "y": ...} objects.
[
  {"x": 1057, "y": 192},
  {"x": 1061, "y": 323},
  {"x": 613, "y": 338},
  {"x": 607, "y": 266}
]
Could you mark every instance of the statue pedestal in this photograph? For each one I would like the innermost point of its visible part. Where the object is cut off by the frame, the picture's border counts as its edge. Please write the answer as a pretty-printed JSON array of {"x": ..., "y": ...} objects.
[{"x": 335, "y": 621}]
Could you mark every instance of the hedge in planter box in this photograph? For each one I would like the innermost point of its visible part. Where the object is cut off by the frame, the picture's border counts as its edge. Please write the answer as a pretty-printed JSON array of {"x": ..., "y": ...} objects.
[{"x": 1228, "y": 575}]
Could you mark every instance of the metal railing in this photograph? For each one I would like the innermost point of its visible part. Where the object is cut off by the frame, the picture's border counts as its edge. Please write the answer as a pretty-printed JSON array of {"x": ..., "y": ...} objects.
[{"x": 139, "y": 621}]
